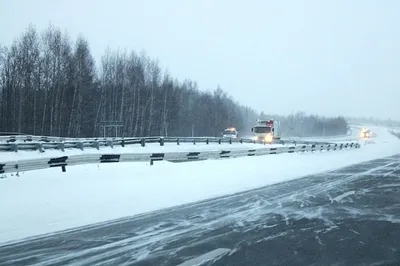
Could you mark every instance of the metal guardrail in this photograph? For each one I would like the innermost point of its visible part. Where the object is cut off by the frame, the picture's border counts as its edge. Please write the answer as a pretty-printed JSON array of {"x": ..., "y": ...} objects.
[
  {"x": 63, "y": 161},
  {"x": 81, "y": 144},
  {"x": 28, "y": 138}
]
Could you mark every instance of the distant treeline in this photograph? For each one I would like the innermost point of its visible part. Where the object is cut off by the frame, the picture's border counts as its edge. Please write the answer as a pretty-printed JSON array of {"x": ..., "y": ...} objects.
[
  {"x": 303, "y": 125},
  {"x": 50, "y": 85}
]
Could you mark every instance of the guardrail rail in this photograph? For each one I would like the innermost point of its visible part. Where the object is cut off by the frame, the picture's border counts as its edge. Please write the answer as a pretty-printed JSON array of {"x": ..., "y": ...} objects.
[
  {"x": 55, "y": 143},
  {"x": 63, "y": 161}
]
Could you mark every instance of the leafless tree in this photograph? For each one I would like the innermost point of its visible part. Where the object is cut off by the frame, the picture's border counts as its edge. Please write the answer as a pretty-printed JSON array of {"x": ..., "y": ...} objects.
[{"x": 50, "y": 85}]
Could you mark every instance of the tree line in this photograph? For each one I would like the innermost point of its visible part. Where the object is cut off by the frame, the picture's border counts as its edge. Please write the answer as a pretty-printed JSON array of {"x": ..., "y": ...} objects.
[
  {"x": 50, "y": 85},
  {"x": 302, "y": 125}
]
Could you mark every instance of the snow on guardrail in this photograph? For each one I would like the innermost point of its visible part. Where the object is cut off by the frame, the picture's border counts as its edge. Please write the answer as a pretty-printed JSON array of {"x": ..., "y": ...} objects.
[
  {"x": 63, "y": 161},
  {"x": 81, "y": 144}
]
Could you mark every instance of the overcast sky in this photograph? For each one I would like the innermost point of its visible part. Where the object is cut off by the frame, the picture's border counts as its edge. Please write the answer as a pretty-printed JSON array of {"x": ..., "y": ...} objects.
[{"x": 326, "y": 57}]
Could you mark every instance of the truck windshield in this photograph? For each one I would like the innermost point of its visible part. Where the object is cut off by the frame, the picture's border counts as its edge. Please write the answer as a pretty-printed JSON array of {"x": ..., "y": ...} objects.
[{"x": 262, "y": 129}]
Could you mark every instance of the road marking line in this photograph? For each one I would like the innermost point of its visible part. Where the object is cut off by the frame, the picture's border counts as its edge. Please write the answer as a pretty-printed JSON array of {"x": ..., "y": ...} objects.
[{"x": 212, "y": 255}]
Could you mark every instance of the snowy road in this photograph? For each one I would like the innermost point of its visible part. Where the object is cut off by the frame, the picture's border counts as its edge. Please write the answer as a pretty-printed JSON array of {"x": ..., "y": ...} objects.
[{"x": 348, "y": 216}]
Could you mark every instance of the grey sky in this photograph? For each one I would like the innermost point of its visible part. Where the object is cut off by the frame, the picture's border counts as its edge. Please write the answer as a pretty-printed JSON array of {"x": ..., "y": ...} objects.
[{"x": 325, "y": 57}]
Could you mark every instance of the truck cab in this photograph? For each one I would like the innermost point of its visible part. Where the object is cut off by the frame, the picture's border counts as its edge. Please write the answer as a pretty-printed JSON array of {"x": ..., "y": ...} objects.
[
  {"x": 266, "y": 130},
  {"x": 230, "y": 132}
]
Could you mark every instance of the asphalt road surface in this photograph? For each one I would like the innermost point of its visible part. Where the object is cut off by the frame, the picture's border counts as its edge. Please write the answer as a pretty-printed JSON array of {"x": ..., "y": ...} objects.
[{"x": 350, "y": 216}]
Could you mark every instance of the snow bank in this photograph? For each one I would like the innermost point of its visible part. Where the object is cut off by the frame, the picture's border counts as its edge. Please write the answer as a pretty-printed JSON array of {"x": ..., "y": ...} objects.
[{"x": 45, "y": 201}]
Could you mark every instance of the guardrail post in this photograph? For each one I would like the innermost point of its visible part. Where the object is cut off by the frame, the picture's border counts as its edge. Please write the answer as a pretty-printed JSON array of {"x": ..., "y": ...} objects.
[
  {"x": 1, "y": 168},
  {"x": 177, "y": 141},
  {"x": 207, "y": 141},
  {"x": 219, "y": 141},
  {"x": 230, "y": 141},
  {"x": 110, "y": 143},
  {"x": 161, "y": 141},
  {"x": 156, "y": 157},
  {"x": 63, "y": 169},
  {"x": 194, "y": 141},
  {"x": 79, "y": 145},
  {"x": 241, "y": 140},
  {"x": 14, "y": 147},
  {"x": 39, "y": 147},
  {"x": 143, "y": 142},
  {"x": 96, "y": 145},
  {"x": 123, "y": 143},
  {"x": 60, "y": 146}
]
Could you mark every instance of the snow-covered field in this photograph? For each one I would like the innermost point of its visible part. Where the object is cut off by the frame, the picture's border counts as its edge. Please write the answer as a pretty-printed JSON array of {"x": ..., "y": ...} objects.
[{"x": 44, "y": 201}]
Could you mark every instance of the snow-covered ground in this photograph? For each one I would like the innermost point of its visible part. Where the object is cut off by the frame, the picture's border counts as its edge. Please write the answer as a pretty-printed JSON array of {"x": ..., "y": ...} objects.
[{"x": 44, "y": 201}]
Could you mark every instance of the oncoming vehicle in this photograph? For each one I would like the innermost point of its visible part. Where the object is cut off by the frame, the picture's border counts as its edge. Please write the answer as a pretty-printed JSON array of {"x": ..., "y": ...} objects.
[
  {"x": 366, "y": 133},
  {"x": 230, "y": 132},
  {"x": 266, "y": 130}
]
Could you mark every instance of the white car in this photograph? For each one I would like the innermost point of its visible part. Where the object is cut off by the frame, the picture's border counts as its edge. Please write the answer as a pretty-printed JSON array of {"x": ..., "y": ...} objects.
[{"x": 230, "y": 133}]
